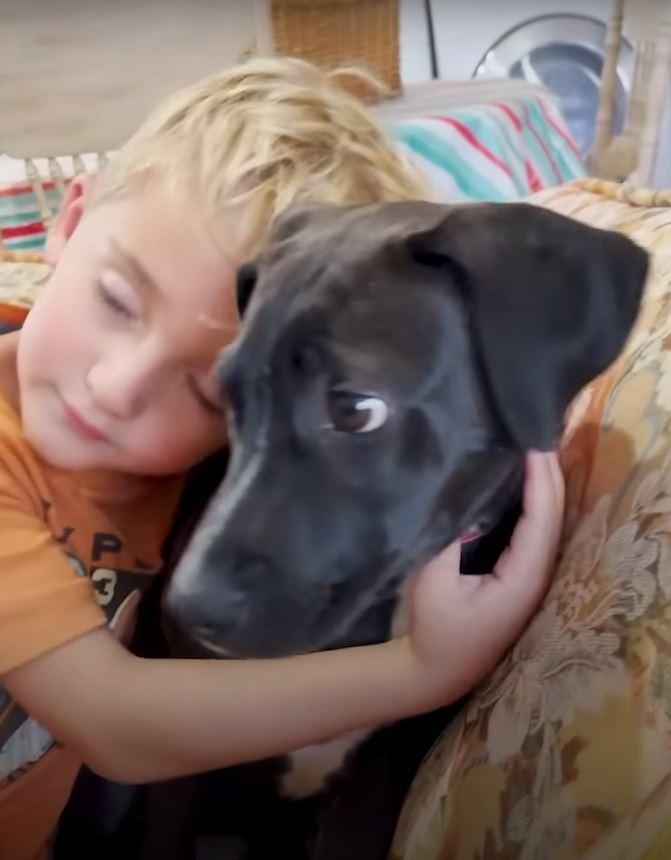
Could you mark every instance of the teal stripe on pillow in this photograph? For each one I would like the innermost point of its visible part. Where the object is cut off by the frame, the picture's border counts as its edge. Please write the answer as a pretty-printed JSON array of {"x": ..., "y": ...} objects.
[
  {"x": 20, "y": 216},
  {"x": 537, "y": 154},
  {"x": 34, "y": 243},
  {"x": 439, "y": 152},
  {"x": 514, "y": 146},
  {"x": 566, "y": 162}
]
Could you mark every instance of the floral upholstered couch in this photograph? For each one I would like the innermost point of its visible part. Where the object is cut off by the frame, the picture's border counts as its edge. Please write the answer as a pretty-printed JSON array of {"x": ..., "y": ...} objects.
[{"x": 566, "y": 751}]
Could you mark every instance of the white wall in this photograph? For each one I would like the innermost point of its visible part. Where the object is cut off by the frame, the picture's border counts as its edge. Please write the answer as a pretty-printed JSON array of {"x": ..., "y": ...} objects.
[
  {"x": 414, "y": 42},
  {"x": 93, "y": 68}
]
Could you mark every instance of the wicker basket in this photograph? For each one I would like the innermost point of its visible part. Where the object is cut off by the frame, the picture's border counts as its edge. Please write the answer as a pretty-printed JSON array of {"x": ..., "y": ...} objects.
[{"x": 341, "y": 33}]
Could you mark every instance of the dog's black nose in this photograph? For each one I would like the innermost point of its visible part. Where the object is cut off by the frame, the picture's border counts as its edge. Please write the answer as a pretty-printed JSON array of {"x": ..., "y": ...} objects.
[{"x": 211, "y": 600}]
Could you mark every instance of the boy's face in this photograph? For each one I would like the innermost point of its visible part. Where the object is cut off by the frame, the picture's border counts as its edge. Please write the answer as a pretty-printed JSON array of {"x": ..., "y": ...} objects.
[{"x": 115, "y": 361}]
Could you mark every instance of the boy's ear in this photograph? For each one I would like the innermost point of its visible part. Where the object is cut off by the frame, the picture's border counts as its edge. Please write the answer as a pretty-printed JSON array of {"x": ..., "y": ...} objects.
[{"x": 67, "y": 217}]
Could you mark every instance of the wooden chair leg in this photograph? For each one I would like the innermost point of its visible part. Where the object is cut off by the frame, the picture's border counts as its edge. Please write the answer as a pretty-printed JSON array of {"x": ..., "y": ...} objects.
[
  {"x": 658, "y": 88},
  {"x": 603, "y": 128}
]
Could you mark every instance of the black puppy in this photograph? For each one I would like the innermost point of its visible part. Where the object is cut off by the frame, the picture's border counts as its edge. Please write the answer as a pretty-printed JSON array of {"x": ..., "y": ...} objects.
[{"x": 396, "y": 363}]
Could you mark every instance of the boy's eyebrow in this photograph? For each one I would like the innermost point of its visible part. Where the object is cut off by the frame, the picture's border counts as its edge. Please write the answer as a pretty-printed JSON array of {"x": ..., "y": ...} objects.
[{"x": 140, "y": 273}]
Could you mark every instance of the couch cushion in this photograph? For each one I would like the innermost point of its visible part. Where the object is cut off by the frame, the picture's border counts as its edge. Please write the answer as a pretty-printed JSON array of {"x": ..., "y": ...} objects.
[
  {"x": 565, "y": 751},
  {"x": 21, "y": 278}
]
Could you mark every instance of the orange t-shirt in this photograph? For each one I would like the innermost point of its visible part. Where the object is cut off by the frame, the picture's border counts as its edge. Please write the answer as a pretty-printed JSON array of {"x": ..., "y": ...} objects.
[{"x": 74, "y": 549}]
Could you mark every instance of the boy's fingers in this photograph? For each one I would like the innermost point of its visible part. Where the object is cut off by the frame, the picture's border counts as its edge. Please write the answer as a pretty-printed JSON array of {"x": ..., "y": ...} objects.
[
  {"x": 439, "y": 575},
  {"x": 534, "y": 541},
  {"x": 543, "y": 491},
  {"x": 435, "y": 582},
  {"x": 543, "y": 479}
]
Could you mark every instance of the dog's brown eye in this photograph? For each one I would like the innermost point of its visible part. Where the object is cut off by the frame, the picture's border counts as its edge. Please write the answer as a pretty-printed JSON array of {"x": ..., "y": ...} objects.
[{"x": 356, "y": 413}]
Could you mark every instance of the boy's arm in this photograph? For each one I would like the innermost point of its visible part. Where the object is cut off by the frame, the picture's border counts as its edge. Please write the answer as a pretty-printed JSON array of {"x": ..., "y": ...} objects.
[
  {"x": 143, "y": 720},
  {"x": 138, "y": 720}
]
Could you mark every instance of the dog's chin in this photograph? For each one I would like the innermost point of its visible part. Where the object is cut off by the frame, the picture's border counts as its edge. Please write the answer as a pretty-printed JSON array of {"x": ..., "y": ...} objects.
[
  {"x": 277, "y": 629},
  {"x": 193, "y": 643}
]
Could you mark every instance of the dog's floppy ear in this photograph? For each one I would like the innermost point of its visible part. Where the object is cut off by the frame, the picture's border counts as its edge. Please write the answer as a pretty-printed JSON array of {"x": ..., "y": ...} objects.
[{"x": 550, "y": 304}]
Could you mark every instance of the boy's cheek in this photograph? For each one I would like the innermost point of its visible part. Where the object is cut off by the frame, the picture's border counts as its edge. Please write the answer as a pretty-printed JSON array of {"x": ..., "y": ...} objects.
[
  {"x": 50, "y": 325},
  {"x": 166, "y": 448}
]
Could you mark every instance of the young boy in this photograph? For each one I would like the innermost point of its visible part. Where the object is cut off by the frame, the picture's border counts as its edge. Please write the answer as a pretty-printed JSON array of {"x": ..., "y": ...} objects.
[{"x": 107, "y": 398}]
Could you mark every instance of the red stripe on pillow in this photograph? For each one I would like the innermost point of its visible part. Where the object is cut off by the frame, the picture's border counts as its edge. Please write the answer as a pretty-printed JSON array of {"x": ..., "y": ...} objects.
[
  {"x": 24, "y": 230},
  {"x": 15, "y": 190}
]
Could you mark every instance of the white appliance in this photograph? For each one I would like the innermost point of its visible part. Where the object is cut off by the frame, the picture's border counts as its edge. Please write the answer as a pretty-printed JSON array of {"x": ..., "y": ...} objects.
[
  {"x": 558, "y": 43},
  {"x": 466, "y": 29}
]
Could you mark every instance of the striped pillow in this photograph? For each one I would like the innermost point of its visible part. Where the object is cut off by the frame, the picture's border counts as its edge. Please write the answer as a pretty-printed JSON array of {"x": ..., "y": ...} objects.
[
  {"x": 497, "y": 150},
  {"x": 21, "y": 224}
]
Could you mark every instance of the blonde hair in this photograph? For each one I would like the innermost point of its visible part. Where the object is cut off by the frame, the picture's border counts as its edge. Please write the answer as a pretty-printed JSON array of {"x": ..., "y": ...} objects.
[{"x": 266, "y": 134}]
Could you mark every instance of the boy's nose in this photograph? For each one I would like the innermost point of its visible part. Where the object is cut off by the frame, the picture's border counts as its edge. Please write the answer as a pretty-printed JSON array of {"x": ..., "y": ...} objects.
[{"x": 120, "y": 389}]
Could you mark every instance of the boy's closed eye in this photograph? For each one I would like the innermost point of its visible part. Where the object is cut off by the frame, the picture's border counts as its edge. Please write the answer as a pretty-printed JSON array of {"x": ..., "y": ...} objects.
[
  {"x": 118, "y": 297},
  {"x": 114, "y": 301}
]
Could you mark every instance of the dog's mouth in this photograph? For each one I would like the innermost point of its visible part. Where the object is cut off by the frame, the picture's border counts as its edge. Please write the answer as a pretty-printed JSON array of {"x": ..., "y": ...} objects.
[
  {"x": 472, "y": 534},
  {"x": 195, "y": 644}
]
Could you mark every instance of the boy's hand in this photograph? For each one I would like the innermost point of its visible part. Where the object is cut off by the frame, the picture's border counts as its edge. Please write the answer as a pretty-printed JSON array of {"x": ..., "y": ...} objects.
[{"x": 467, "y": 623}]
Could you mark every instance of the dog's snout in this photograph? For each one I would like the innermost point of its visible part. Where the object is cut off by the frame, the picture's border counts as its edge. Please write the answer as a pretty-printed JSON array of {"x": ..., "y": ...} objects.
[
  {"x": 247, "y": 571},
  {"x": 211, "y": 605}
]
